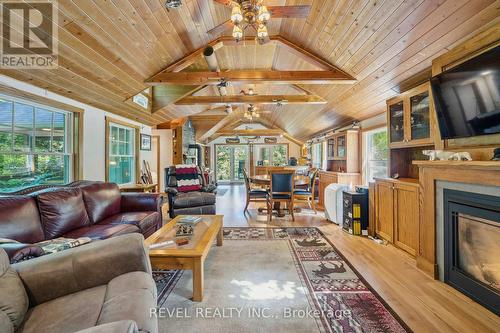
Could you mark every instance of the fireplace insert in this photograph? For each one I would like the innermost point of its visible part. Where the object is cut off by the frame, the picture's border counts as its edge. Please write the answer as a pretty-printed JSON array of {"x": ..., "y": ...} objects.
[{"x": 472, "y": 246}]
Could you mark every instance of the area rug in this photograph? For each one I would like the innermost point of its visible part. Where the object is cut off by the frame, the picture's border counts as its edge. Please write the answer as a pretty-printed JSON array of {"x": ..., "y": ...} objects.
[{"x": 274, "y": 280}]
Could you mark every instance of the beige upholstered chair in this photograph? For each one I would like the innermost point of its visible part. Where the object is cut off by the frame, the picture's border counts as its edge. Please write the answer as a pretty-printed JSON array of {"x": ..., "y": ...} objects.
[{"x": 102, "y": 287}]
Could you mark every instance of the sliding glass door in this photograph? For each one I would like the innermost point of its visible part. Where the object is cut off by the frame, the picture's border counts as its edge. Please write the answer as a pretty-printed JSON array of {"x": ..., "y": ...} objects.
[{"x": 230, "y": 162}]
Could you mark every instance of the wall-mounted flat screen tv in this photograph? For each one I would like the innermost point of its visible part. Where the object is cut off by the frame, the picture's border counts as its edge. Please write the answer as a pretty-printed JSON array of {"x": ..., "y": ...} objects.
[{"x": 467, "y": 97}]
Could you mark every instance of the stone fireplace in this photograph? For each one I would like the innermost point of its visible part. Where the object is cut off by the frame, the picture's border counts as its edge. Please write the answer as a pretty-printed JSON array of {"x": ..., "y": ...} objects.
[{"x": 471, "y": 245}]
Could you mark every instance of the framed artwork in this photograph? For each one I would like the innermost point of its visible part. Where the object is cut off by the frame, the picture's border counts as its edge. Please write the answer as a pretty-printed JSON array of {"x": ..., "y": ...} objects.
[{"x": 145, "y": 142}]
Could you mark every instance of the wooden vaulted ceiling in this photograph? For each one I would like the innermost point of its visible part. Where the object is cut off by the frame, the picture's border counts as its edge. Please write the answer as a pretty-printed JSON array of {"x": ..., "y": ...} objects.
[{"x": 108, "y": 49}]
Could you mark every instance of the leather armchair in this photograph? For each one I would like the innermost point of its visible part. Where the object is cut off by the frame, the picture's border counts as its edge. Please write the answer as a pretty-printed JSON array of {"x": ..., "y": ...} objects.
[
  {"x": 200, "y": 202},
  {"x": 104, "y": 286}
]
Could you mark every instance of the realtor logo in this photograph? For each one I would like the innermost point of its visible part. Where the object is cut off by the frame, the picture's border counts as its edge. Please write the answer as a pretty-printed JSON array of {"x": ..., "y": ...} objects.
[{"x": 29, "y": 34}]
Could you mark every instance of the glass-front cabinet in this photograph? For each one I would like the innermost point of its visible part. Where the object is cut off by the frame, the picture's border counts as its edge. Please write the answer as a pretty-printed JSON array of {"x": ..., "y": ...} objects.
[
  {"x": 341, "y": 146},
  {"x": 410, "y": 118},
  {"x": 330, "y": 148},
  {"x": 420, "y": 116},
  {"x": 396, "y": 119}
]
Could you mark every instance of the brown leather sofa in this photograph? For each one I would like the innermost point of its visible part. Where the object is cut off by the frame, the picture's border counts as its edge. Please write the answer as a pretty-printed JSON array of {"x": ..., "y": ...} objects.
[
  {"x": 86, "y": 209},
  {"x": 102, "y": 287}
]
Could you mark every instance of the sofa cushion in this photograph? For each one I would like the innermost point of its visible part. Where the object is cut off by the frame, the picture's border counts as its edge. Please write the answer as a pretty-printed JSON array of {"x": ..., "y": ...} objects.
[
  {"x": 13, "y": 297},
  {"x": 102, "y": 231},
  {"x": 68, "y": 313},
  {"x": 122, "y": 326},
  {"x": 131, "y": 296},
  {"x": 143, "y": 220},
  {"x": 20, "y": 220},
  {"x": 61, "y": 211},
  {"x": 101, "y": 200},
  {"x": 192, "y": 199}
]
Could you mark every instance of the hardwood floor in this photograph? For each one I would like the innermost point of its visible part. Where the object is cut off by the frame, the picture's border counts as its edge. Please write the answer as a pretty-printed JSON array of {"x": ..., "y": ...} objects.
[{"x": 426, "y": 305}]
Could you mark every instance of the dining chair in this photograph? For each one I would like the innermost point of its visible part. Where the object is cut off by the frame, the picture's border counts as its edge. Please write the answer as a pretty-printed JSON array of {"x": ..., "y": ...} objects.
[
  {"x": 307, "y": 195},
  {"x": 282, "y": 183},
  {"x": 253, "y": 194}
]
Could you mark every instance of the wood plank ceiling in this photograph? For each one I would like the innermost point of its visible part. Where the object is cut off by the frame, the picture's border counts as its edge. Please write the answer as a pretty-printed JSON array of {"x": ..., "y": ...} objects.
[{"x": 108, "y": 48}]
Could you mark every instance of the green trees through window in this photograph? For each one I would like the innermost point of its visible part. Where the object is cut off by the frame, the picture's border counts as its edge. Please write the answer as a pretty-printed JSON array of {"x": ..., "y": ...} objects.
[
  {"x": 34, "y": 145},
  {"x": 377, "y": 153},
  {"x": 121, "y": 154}
]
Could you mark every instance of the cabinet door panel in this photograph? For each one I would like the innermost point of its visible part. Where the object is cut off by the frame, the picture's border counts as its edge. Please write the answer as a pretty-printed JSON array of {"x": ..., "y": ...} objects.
[
  {"x": 406, "y": 218},
  {"x": 396, "y": 122},
  {"x": 385, "y": 210}
]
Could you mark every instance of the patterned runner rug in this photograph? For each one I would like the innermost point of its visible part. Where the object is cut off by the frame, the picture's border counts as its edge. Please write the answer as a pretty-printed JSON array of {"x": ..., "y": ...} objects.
[{"x": 274, "y": 280}]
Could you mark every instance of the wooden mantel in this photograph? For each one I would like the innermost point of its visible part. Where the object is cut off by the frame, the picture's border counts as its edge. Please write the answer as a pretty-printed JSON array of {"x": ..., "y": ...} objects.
[
  {"x": 476, "y": 165},
  {"x": 470, "y": 172}
]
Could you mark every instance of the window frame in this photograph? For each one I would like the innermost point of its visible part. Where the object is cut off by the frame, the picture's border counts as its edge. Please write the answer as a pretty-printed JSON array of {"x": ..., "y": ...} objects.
[
  {"x": 73, "y": 131},
  {"x": 365, "y": 167},
  {"x": 322, "y": 152},
  {"x": 137, "y": 130}
]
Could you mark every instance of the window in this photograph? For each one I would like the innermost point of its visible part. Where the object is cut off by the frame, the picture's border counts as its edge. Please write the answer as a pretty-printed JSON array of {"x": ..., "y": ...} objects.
[
  {"x": 122, "y": 150},
  {"x": 35, "y": 144},
  {"x": 317, "y": 155},
  {"x": 376, "y": 154},
  {"x": 141, "y": 100},
  {"x": 275, "y": 155}
]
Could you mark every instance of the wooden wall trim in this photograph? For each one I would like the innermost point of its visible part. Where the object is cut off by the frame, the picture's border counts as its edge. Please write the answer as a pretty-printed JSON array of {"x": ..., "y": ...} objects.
[
  {"x": 479, "y": 173},
  {"x": 7, "y": 90}
]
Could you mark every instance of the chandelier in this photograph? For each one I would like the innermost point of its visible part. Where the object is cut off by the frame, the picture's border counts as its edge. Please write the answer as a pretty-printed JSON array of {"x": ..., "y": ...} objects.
[
  {"x": 251, "y": 113},
  {"x": 250, "y": 13}
]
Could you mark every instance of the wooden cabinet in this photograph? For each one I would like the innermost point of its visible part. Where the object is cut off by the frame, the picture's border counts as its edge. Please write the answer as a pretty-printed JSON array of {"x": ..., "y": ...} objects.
[
  {"x": 343, "y": 152},
  {"x": 385, "y": 210},
  {"x": 406, "y": 217},
  {"x": 409, "y": 118},
  {"x": 397, "y": 212},
  {"x": 325, "y": 179}
]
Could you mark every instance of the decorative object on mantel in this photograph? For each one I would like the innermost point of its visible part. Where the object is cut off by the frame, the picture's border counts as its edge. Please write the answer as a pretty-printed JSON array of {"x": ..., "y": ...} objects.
[
  {"x": 496, "y": 155},
  {"x": 439, "y": 155},
  {"x": 442, "y": 155},
  {"x": 462, "y": 156}
]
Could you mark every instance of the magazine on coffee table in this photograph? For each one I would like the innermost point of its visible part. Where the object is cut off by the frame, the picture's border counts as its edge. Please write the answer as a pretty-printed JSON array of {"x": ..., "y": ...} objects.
[
  {"x": 190, "y": 219},
  {"x": 60, "y": 244}
]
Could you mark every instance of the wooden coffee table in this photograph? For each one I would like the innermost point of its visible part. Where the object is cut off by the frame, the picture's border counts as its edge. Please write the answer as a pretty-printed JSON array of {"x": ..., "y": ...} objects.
[{"x": 190, "y": 256}]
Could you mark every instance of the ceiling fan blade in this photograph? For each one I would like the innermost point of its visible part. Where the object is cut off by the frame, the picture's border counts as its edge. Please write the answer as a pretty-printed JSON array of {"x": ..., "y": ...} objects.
[
  {"x": 289, "y": 11},
  {"x": 221, "y": 28}
]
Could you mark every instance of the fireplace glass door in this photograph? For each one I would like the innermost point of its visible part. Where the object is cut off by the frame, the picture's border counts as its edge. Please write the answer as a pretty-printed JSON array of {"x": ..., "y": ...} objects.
[
  {"x": 472, "y": 246},
  {"x": 479, "y": 249}
]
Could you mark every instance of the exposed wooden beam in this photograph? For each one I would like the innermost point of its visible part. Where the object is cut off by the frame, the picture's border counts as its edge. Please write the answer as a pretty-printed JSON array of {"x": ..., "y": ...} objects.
[
  {"x": 265, "y": 122},
  {"x": 172, "y": 123},
  {"x": 249, "y": 99},
  {"x": 248, "y": 77},
  {"x": 251, "y": 132},
  {"x": 228, "y": 41},
  {"x": 220, "y": 125},
  {"x": 190, "y": 59}
]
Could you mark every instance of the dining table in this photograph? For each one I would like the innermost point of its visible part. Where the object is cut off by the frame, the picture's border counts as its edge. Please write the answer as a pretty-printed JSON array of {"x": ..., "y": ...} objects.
[{"x": 265, "y": 181}]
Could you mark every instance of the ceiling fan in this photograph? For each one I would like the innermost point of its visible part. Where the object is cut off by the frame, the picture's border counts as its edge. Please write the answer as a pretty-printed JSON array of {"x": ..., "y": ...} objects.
[
  {"x": 253, "y": 112},
  {"x": 253, "y": 13}
]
